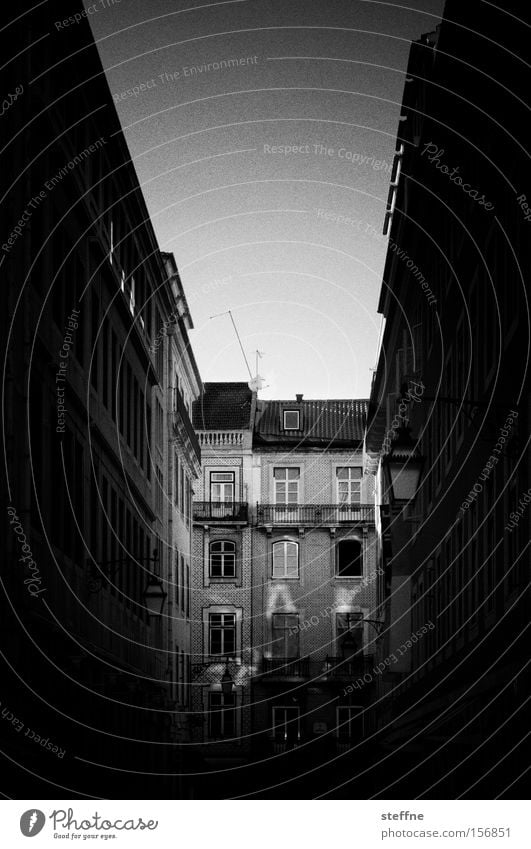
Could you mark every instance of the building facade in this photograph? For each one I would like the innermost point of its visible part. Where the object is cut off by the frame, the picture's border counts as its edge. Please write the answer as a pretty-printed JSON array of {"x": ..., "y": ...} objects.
[
  {"x": 453, "y": 367},
  {"x": 100, "y": 450},
  {"x": 287, "y": 591}
]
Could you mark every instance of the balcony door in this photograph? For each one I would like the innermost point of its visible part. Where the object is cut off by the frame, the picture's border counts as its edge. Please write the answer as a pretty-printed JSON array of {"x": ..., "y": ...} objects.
[
  {"x": 348, "y": 483},
  {"x": 287, "y": 725},
  {"x": 221, "y": 494},
  {"x": 286, "y": 494}
]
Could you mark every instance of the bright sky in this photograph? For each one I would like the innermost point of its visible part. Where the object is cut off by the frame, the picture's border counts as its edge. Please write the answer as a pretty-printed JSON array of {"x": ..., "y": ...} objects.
[{"x": 268, "y": 177}]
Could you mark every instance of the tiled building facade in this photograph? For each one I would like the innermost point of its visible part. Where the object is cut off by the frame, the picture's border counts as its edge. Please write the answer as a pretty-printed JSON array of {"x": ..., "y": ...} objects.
[{"x": 286, "y": 588}]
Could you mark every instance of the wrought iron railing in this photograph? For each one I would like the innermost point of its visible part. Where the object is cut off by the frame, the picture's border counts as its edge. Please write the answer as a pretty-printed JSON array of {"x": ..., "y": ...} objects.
[
  {"x": 220, "y": 511},
  {"x": 352, "y": 667},
  {"x": 181, "y": 420},
  {"x": 329, "y": 668},
  {"x": 296, "y": 667}
]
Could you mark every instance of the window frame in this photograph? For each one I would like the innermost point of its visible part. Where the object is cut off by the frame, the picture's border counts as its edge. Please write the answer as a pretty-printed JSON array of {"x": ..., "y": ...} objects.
[
  {"x": 223, "y": 630},
  {"x": 222, "y": 711},
  {"x": 291, "y": 412},
  {"x": 231, "y": 483},
  {"x": 349, "y": 481},
  {"x": 275, "y": 629},
  {"x": 342, "y": 737},
  {"x": 285, "y": 576},
  {"x": 286, "y": 481},
  {"x": 222, "y": 554},
  {"x": 342, "y": 575},
  {"x": 284, "y": 724},
  {"x": 358, "y": 616}
]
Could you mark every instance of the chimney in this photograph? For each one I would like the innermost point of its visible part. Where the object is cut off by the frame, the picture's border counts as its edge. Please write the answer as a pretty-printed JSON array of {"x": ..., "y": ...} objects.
[{"x": 299, "y": 398}]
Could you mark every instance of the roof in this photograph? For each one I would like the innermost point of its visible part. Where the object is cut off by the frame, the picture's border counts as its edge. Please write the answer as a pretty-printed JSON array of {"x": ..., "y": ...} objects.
[
  {"x": 322, "y": 422},
  {"x": 223, "y": 406}
]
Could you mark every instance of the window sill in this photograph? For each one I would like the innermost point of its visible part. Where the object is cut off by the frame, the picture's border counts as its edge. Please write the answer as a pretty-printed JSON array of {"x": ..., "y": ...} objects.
[
  {"x": 227, "y": 581},
  {"x": 276, "y": 578},
  {"x": 349, "y": 577}
]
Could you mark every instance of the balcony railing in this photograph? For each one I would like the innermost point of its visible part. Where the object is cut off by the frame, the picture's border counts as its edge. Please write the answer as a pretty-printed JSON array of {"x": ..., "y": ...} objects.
[
  {"x": 314, "y": 514},
  {"x": 329, "y": 669},
  {"x": 220, "y": 511},
  {"x": 286, "y": 667},
  {"x": 352, "y": 667},
  {"x": 182, "y": 424}
]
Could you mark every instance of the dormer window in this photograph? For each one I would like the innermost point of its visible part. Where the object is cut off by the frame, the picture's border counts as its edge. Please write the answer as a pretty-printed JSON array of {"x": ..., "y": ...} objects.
[{"x": 291, "y": 419}]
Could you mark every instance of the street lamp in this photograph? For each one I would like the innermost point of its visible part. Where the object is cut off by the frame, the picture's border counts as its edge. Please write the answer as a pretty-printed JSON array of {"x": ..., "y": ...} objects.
[
  {"x": 403, "y": 467},
  {"x": 154, "y": 596},
  {"x": 227, "y": 683}
]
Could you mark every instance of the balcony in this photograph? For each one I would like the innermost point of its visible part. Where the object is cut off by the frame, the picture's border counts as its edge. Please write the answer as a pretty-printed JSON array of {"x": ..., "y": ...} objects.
[
  {"x": 220, "y": 511},
  {"x": 315, "y": 514},
  {"x": 330, "y": 669},
  {"x": 182, "y": 426},
  {"x": 286, "y": 667},
  {"x": 221, "y": 438}
]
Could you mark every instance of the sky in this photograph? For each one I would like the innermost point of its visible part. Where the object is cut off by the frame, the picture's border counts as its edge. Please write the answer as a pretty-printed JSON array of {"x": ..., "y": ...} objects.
[{"x": 263, "y": 133}]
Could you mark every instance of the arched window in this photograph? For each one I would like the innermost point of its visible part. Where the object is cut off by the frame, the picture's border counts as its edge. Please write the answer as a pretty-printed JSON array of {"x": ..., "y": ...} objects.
[
  {"x": 285, "y": 559},
  {"x": 222, "y": 559},
  {"x": 349, "y": 559}
]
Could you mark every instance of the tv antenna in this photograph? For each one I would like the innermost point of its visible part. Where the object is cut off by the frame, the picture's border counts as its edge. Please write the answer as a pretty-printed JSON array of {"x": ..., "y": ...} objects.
[{"x": 254, "y": 383}]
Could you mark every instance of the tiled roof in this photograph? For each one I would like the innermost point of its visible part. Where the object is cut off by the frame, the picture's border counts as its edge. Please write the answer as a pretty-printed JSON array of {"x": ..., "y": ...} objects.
[
  {"x": 322, "y": 422},
  {"x": 223, "y": 406}
]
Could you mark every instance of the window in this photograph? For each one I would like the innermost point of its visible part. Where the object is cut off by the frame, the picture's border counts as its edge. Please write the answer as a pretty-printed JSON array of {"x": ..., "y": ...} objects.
[
  {"x": 349, "y": 559},
  {"x": 222, "y": 633},
  {"x": 285, "y": 635},
  {"x": 159, "y": 493},
  {"x": 176, "y": 480},
  {"x": 221, "y": 715},
  {"x": 349, "y": 485},
  {"x": 350, "y": 723},
  {"x": 350, "y": 624},
  {"x": 291, "y": 419},
  {"x": 222, "y": 486},
  {"x": 159, "y": 425},
  {"x": 286, "y": 485},
  {"x": 287, "y": 725},
  {"x": 222, "y": 559},
  {"x": 285, "y": 560}
]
